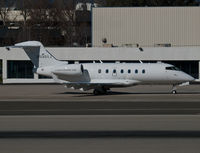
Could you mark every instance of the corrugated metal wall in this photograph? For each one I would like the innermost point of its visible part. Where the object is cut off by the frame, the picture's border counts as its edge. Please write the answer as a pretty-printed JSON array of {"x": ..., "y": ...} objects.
[{"x": 147, "y": 26}]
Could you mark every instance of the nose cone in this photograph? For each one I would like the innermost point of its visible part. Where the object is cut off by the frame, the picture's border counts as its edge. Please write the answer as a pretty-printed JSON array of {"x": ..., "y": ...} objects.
[{"x": 189, "y": 77}]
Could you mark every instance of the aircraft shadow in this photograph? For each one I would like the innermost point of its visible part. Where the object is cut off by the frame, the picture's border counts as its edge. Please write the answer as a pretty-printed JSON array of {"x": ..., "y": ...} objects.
[
  {"x": 109, "y": 93},
  {"x": 73, "y": 93}
]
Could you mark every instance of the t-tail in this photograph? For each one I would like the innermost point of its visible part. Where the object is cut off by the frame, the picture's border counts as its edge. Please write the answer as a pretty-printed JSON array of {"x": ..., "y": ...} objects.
[{"x": 39, "y": 56}]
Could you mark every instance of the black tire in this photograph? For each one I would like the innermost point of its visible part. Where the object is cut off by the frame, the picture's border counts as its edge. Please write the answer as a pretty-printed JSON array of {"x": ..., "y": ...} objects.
[
  {"x": 174, "y": 92},
  {"x": 99, "y": 92},
  {"x": 96, "y": 92}
]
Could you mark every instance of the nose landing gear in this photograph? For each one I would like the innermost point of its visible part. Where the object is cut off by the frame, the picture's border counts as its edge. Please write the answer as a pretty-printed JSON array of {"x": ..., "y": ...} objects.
[{"x": 173, "y": 91}]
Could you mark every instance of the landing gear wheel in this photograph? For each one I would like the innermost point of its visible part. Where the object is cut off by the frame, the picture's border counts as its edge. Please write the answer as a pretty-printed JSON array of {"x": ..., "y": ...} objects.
[
  {"x": 174, "y": 92},
  {"x": 99, "y": 91},
  {"x": 96, "y": 92}
]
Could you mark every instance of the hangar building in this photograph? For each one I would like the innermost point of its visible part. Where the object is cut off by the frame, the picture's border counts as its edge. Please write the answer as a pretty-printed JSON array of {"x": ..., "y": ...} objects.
[
  {"x": 146, "y": 26},
  {"x": 17, "y": 68},
  {"x": 167, "y": 34}
]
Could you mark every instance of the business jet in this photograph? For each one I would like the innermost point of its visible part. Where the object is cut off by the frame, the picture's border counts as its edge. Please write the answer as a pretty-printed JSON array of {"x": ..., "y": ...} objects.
[{"x": 102, "y": 76}]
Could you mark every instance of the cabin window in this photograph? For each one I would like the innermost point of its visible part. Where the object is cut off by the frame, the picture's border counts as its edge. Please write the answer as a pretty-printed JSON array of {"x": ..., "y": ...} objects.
[
  {"x": 122, "y": 71},
  {"x": 129, "y": 71},
  {"x": 143, "y": 71},
  {"x": 107, "y": 70},
  {"x": 114, "y": 71},
  {"x": 99, "y": 71},
  {"x": 136, "y": 71}
]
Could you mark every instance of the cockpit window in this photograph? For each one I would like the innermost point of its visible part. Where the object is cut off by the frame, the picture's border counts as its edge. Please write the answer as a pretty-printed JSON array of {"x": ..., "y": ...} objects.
[{"x": 172, "y": 68}]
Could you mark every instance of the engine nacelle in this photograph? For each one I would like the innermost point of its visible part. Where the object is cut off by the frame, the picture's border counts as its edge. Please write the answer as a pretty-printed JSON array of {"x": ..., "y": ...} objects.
[{"x": 70, "y": 69}]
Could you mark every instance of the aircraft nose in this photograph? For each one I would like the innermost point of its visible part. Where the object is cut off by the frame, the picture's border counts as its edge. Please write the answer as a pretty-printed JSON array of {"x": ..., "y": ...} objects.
[{"x": 189, "y": 78}]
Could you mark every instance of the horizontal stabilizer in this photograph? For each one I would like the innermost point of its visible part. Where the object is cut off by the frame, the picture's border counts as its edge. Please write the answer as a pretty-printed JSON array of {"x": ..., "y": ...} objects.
[{"x": 27, "y": 44}]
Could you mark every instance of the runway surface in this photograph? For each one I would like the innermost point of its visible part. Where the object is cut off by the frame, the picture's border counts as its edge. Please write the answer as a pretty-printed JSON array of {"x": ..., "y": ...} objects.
[
  {"x": 101, "y": 133},
  {"x": 134, "y": 94},
  {"x": 96, "y": 145},
  {"x": 110, "y": 125},
  {"x": 57, "y": 100},
  {"x": 142, "y": 119},
  {"x": 99, "y": 108}
]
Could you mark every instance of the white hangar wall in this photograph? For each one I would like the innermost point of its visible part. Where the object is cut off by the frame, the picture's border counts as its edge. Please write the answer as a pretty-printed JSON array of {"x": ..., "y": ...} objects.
[
  {"x": 146, "y": 26},
  {"x": 104, "y": 54}
]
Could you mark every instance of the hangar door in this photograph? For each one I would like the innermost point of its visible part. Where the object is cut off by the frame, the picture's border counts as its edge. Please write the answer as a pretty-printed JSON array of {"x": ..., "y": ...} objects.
[
  {"x": 190, "y": 67},
  {"x": 19, "y": 69}
]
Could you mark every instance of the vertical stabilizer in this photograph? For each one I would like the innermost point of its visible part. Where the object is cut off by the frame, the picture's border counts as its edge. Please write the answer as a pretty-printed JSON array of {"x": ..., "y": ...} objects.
[{"x": 38, "y": 54}]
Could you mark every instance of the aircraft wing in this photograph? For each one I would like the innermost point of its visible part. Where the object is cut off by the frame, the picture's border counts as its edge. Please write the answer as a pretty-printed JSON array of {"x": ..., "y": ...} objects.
[
  {"x": 95, "y": 83},
  {"x": 98, "y": 83}
]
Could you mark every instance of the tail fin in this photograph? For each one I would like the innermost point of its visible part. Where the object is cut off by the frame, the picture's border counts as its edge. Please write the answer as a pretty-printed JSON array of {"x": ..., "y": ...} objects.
[{"x": 39, "y": 56}]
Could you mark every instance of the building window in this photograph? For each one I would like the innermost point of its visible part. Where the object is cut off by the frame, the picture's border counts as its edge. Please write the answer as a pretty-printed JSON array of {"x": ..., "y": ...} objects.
[
  {"x": 107, "y": 70},
  {"x": 163, "y": 45},
  {"x": 99, "y": 71},
  {"x": 19, "y": 69},
  {"x": 143, "y": 71},
  {"x": 122, "y": 71},
  {"x": 44, "y": 77},
  {"x": 70, "y": 62},
  {"x": 136, "y": 71},
  {"x": 0, "y": 71},
  {"x": 129, "y": 71}
]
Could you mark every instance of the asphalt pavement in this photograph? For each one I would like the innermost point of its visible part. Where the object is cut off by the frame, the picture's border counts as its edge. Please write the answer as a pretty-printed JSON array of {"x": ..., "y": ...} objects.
[{"x": 142, "y": 119}]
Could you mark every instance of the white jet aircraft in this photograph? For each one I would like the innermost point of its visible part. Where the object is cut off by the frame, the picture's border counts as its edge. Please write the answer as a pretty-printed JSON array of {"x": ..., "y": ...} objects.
[{"x": 101, "y": 76}]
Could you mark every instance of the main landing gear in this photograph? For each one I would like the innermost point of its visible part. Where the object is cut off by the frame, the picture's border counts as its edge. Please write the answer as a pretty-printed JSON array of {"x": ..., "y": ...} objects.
[{"x": 100, "y": 91}]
